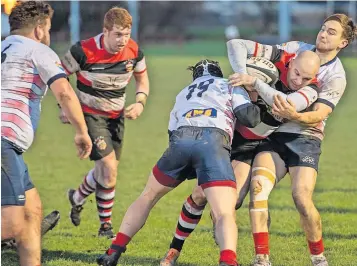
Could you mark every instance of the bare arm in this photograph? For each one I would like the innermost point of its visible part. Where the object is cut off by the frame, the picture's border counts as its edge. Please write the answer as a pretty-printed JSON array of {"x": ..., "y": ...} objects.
[
  {"x": 133, "y": 111},
  {"x": 69, "y": 102},
  {"x": 328, "y": 98},
  {"x": 142, "y": 86},
  {"x": 301, "y": 99},
  {"x": 312, "y": 118}
]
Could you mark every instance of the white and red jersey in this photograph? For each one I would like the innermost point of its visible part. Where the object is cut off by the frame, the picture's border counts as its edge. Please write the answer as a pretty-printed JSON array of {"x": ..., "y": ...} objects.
[
  {"x": 208, "y": 102},
  {"x": 27, "y": 69},
  {"x": 331, "y": 77},
  {"x": 102, "y": 77},
  {"x": 332, "y": 82},
  {"x": 302, "y": 98}
]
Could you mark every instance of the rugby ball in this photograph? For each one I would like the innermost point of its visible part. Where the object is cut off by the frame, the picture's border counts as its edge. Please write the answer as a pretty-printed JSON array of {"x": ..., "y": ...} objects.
[{"x": 263, "y": 69}]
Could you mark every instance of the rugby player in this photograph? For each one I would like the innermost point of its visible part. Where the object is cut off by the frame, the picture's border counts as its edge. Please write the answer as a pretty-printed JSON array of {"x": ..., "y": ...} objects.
[
  {"x": 29, "y": 67},
  {"x": 295, "y": 147},
  {"x": 201, "y": 128},
  {"x": 246, "y": 140},
  {"x": 104, "y": 66}
]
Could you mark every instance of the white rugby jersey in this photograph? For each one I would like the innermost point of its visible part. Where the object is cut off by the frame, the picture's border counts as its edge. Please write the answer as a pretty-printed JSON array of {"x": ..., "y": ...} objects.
[
  {"x": 332, "y": 83},
  {"x": 208, "y": 102},
  {"x": 331, "y": 77},
  {"x": 28, "y": 67}
]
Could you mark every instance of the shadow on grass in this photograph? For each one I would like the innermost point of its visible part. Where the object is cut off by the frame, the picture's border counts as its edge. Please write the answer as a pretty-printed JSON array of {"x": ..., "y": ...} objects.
[
  {"x": 328, "y": 209},
  {"x": 91, "y": 256},
  {"x": 10, "y": 258}
]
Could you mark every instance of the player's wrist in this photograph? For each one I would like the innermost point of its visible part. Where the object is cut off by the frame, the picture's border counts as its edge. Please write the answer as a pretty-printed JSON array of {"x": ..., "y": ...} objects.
[
  {"x": 141, "y": 98},
  {"x": 296, "y": 116},
  {"x": 142, "y": 104}
]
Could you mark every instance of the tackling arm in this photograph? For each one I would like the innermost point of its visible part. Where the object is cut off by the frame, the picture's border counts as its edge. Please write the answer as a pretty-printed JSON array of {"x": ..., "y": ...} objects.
[
  {"x": 327, "y": 99},
  {"x": 301, "y": 99},
  {"x": 239, "y": 50}
]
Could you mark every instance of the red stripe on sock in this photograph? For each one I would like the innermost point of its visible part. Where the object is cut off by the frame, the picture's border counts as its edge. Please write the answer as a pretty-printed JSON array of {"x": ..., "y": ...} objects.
[
  {"x": 194, "y": 205},
  {"x": 82, "y": 194},
  {"x": 86, "y": 183},
  {"x": 104, "y": 210},
  {"x": 229, "y": 257},
  {"x": 182, "y": 234},
  {"x": 121, "y": 240},
  {"x": 189, "y": 220},
  {"x": 85, "y": 190},
  {"x": 261, "y": 243},
  {"x": 104, "y": 202},
  {"x": 106, "y": 219},
  {"x": 316, "y": 248}
]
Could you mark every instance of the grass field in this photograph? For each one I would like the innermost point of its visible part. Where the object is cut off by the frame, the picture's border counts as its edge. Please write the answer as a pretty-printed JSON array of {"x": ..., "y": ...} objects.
[{"x": 54, "y": 168}]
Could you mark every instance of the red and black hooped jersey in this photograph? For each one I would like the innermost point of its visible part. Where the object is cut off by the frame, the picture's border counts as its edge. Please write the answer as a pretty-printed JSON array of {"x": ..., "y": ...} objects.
[{"x": 102, "y": 77}]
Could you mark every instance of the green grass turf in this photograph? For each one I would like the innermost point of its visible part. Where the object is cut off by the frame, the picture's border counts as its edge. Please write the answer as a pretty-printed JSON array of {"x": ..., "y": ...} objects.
[{"x": 55, "y": 168}]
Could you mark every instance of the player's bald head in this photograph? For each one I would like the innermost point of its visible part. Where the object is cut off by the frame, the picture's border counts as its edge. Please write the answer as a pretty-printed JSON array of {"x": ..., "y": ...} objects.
[
  {"x": 303, "y": 69},
  {"x": 308, "y": 62}
]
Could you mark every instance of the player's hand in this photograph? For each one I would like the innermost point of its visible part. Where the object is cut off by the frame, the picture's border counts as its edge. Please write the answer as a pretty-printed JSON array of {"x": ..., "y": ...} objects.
[
  {"x": 238, "y": 79},
  {"x": 83, "y": 144},
  {"x": 62, "y": 116},
  {"x": 133, "y": 111},
  {"x": 284, "y": 109}
]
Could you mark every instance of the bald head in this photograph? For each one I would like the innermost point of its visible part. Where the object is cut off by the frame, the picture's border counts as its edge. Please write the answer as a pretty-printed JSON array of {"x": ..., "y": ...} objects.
[
  {"x": 303, "y": 69},
  {"x": 309, "y": 61}
]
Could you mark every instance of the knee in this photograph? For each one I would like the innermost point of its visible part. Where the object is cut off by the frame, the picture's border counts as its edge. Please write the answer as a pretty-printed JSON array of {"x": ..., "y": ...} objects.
[
  {"x": 225, "y": 216},
  {"x": 198, "y": 196},
  {"x": 108, "y": 174},
  {"x": 303, "y": 203}
]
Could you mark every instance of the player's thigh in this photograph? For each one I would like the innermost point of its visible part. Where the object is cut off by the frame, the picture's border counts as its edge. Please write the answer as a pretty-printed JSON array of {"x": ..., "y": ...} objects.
[
  {"x": 154, "y": 190},
  {"x": 271, "y": 161},
  {"x": 33, "y": 206},
  {"x": 242, "y": 175},
  {"x": 12, "y": 221},
  {"x": 100, "y": 135},
  {"x": 303, "y": 180},
  {"x": 222, "y": 199}
]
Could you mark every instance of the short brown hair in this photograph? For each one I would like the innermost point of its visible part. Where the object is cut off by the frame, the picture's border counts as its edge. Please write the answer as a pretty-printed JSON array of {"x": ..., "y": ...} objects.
[
  {"x": 29, "y": 14},
  {"x": 117, "y": 16},
  {"x": 349, "y": 28}
]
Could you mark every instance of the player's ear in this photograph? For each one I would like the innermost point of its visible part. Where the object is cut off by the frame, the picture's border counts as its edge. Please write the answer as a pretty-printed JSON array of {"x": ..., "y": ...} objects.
[
  {"x": 39, "y": 32},
  {"x": 343, "y": 44}
]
